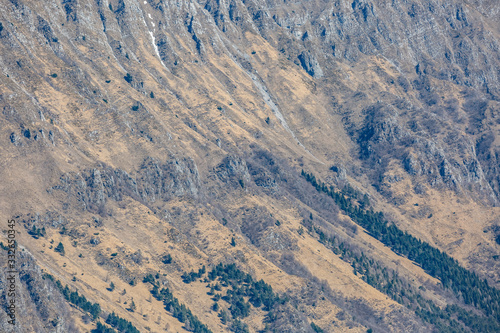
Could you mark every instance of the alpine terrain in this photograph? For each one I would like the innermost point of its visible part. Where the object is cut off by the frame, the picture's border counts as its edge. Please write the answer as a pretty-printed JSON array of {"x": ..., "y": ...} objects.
[{"x": 250, "y": 166}]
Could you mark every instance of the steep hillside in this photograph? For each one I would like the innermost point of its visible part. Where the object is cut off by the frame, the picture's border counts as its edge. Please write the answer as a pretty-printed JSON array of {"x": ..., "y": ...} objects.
[{"x": 258, "y": 166}]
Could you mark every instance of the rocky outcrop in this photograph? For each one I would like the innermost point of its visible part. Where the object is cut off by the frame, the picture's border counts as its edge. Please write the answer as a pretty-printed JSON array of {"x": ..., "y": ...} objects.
[
  {"x": 233, "y": 170},
  {"x": 310, "y": 64},
  {"x": 432, "y": 35},
  {"x": 453, "y": 164},
  {"x": 164, "y": 181},
  {"x": 48, "y": 219},
  {"x": 153, "y": 181},
  {"x": 27, "y": 136}
]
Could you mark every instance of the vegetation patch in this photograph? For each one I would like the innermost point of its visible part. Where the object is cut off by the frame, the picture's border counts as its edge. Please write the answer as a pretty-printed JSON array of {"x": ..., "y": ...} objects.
[
  {"x": 466, "y": 285},
  {"x": 93, "y": 309}
]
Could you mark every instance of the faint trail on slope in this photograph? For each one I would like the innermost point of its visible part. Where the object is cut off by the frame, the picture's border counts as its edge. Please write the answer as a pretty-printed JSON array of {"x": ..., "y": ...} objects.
[
  {"x": 267, "y": 98},
  {"x": 269, "y": 101}
]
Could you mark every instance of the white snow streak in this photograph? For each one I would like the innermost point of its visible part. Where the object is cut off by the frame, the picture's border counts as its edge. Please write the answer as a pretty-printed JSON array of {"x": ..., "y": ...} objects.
[{"x": 156, "y": 48}]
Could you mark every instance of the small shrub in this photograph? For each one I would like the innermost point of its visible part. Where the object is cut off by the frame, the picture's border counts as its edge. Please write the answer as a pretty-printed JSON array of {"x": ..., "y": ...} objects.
[
  {"x": 215, "y": 307},
  {"x": 128, "y": 78},
  {"x": 167, "y": 259},
  {"x": 60, "y": 248}
]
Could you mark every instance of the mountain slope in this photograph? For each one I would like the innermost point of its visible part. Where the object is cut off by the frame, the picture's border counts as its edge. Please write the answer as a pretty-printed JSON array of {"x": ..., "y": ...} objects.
[{"x": 138, "y": 131}]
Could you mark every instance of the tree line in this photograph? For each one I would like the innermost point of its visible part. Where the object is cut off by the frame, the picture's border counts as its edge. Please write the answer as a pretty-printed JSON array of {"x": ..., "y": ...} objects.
[
  {"x": 242, "y": 293},
  {"x": 466, "y": 285},
  {"x": 450, "y": 319},
  {"x": 94, "y": 310},
  {"x": 178, "y": 310}
]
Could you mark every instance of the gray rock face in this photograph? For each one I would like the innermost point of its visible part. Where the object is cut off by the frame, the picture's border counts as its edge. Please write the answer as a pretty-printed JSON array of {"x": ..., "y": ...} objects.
[
  {"x": 48, "y": 219},
  {"x": 430, "y": 37},
  {"x": 163, "y": 181},
  {"x": 411, "y": 165},
  {"x": 310, "y": 64},
  {"x": 154, "y": 181},
  {"x": 453, "y": 163},
  {"x": 455, "y": 42},
  {"x": 233, "y": 169}
]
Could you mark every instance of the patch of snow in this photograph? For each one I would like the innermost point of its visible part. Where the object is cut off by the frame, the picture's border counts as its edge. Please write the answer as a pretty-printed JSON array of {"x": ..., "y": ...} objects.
[
  {"x": 156, "y": 48},
  {"x": 154, "y": 42}
]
